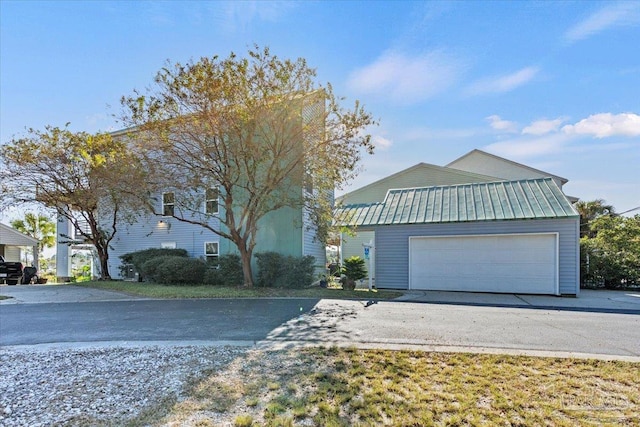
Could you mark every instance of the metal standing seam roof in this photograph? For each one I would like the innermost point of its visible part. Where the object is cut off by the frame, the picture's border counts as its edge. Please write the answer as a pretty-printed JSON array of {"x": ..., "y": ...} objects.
[{"x": 487, "y": 201}]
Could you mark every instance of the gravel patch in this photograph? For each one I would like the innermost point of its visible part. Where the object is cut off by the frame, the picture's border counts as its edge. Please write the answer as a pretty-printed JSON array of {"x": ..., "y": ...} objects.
[{"x": 98, "y": 386}]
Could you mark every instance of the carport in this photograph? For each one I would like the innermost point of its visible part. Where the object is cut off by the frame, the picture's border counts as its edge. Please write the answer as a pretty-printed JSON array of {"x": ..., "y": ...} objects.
[{"x": 12, "y": 241}]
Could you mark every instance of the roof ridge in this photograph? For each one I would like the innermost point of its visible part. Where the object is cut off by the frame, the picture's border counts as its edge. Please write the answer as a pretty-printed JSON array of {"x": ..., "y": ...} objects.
[{"x": 470, "y": 184}]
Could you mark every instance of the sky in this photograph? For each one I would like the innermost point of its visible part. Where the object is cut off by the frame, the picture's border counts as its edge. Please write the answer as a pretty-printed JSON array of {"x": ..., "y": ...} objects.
[{"x": 553, "y": 85}]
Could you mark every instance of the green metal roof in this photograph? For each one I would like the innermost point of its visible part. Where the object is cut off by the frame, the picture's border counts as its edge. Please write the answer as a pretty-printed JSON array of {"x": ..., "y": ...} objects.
[{"x": 486, "y": 201}]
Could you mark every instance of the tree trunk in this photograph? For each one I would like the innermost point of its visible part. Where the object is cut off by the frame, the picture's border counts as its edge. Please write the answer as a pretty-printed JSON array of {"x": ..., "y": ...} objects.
[
  {"x": 246, "y": 270},
  {"x": 103, "y": 256},
  {"x": 245, "y": 255}
]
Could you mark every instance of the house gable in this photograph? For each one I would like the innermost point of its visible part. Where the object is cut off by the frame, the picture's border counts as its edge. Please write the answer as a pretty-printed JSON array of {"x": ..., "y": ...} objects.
[
  {"x": 478, "y": 161},
  {"x": 420, "y": 175}
]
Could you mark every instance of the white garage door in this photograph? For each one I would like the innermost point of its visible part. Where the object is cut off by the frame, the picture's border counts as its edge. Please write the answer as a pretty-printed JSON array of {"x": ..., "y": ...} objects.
[{"x": 519, "y": 263}]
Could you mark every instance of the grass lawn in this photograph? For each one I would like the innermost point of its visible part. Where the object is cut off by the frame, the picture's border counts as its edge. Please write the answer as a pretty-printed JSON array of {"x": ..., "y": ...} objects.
[
  {"x": 349, "y": 387},
  {"x": 152, "y": 290}
]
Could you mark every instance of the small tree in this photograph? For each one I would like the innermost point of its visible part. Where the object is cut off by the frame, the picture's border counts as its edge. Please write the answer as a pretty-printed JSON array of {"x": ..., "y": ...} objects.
[
  {"x": 614, "y": 251},
  {"x": 39, "y": 227},
  {"x": 256, "y": 131},
  {"x": 90, "y": 179},
  {"x": 354, "y": 269},
  {"x": 589, "y": 211}
]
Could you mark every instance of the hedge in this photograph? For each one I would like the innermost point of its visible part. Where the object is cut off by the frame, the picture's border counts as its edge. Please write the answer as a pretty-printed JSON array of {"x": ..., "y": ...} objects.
[
  {"x": 280, "y": 271},
  {"x": 139, "y": 258}
]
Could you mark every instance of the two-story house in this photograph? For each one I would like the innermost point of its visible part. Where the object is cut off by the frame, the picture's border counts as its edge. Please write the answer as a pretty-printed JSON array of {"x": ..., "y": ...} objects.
[{"x": 287, "y": 230}]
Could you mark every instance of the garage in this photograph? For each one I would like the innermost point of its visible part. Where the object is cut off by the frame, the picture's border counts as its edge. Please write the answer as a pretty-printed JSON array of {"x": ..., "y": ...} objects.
[
  {"x": 514, "y": 263},
  {"x": 501, "y": 237}
]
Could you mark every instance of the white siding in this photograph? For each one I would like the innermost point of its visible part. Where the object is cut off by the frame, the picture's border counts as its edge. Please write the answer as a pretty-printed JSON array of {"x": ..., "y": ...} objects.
[
  {"x": 12, "y": 237},
  {"x": 352, "y": 246},
  {"x": 12, "y": 254},
  {"x": 311, "y": 246}
]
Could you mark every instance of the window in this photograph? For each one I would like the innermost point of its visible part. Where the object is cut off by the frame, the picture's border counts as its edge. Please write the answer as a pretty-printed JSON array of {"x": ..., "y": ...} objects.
[
  {"x": 168, "y": 204},
  {"x": 308, "y": 183},
  {"x": 168, "y": 245},
  {"x": 211, "y": 252},
  {"x": 211, "y": 202}
]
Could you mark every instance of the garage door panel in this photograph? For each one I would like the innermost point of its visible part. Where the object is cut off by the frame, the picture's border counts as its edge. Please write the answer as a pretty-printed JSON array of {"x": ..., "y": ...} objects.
[{"x": 524, "y": 263}]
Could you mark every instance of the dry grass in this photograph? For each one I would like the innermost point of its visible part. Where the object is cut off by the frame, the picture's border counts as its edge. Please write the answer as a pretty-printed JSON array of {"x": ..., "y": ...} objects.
[{"x": 345, "y": 387}]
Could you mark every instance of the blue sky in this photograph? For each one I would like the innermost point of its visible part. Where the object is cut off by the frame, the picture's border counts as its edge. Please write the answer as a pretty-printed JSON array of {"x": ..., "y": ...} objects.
[{"x": 554, "y": 85}]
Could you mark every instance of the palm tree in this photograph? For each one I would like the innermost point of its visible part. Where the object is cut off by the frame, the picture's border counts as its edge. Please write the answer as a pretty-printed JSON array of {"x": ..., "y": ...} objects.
[
  {"x": 590, "y": 210},
  {"x": 39, "y": 227}
]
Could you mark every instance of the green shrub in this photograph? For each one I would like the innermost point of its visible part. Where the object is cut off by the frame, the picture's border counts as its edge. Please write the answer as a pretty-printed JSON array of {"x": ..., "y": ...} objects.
[
  {"x": 611, "y": 258},
  {"x": 354, "y": 268},
  {"x": 213, "y": 277},
  {"x": 138, "y": 258},
  {"x": 149, "y": 269},
  {"x": 299, "y": 272},
  {"x": 280, "y": 271},
  {"x": 176, "y": 270},
  {"x": 231, "y": 270},
  {"x": 228, "y": 273},
  {"x": 269, "y": 268}
]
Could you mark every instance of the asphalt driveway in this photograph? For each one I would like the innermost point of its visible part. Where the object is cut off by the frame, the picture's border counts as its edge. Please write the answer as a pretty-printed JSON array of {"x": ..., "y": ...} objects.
[
  {"x": 597, "y": 324},
  {"x": 605, "y": 301}
]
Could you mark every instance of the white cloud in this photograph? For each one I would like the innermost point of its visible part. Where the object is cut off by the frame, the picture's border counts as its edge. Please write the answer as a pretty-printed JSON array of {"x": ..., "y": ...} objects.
[
  {"x": 545, "y": 137},
  {"x": 523, "y": 148},
  {"x": 381, "y": 143},
  {"x": 405, "y": 79},
  {"x": 618, "y": 14},
  {"x": 498, "y": 123},
  {"x": 502, "y": 84},
  {"x": 605, "y": 125},
  {"x": 541, "y": 127}
]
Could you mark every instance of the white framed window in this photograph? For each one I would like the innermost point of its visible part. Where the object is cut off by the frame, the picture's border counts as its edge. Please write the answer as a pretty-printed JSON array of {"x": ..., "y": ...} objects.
[
  {"x": 211, "y": 252},
  {"x": 168, "y": 203},
  {"x": 168, "y": 245},
  {"x": 211, "y": 204}
]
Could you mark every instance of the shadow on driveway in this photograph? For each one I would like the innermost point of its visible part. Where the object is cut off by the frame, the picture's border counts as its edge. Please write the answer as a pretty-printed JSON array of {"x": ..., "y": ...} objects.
[{"x": 147, "y": 320}]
